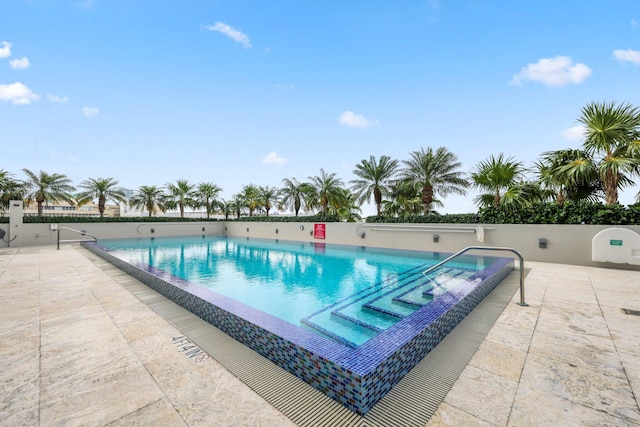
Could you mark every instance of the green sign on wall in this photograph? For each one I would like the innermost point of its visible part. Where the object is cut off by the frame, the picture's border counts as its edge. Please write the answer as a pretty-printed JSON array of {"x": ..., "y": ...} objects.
[{"x": 615, "y": 242}]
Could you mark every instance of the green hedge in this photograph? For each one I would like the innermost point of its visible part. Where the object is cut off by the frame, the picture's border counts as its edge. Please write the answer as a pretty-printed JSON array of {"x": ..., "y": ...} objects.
[
  {"x": 570, "y": 213},
  {"x": 313, "y": 218},
  {"x": 88, "y": 219},
  {"x": 543, "y": 213},
  {"x": 427, "y": 219}
]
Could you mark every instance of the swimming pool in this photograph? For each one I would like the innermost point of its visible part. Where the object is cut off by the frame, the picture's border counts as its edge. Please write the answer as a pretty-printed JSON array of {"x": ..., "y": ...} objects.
[{"x": 351, "y": 321}]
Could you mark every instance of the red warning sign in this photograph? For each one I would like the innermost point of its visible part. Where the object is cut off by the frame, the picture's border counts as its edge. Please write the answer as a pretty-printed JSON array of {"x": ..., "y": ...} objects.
[{"x": 319, "y": 231}]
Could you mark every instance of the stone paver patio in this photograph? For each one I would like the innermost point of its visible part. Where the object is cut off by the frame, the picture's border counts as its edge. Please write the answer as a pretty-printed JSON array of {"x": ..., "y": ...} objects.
[{"x": 77, "y": 348}]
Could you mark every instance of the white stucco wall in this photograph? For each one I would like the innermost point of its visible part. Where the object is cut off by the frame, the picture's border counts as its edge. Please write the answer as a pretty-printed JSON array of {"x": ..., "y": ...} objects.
[{"x": 566, "y": 244}]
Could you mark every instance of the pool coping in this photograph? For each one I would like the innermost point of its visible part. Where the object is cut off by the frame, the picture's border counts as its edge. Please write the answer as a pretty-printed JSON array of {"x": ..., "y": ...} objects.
[{"x": 358, "y": 378}]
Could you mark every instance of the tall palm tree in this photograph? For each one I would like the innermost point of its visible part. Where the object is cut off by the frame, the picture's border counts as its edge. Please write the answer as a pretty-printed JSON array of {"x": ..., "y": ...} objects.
[
  {"x": 292, "y": 194},
  {"x": 102, "y": 189},
  {"x": 375, "y": 178},
  {"x": 149, "y": 197},
  {"x": 48, "y": 188},
  {"x": 436, "y": 172},
  {"x": 207, "y": 193},
  {"x": 328, "y": 188},
  {"x": 181, "y": 194},
  {"x": 498, "y": 177},
  {"x": 612, "y": 139},
  {"x": 268, "y": 196}
]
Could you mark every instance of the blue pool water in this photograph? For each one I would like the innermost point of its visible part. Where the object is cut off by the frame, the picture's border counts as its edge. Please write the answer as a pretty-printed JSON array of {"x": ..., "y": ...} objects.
[{"x": 349, "y": 294}]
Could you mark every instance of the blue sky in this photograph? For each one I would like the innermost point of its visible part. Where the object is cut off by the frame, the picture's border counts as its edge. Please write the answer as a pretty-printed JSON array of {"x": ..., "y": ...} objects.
[{"x": 252, "y": 92}]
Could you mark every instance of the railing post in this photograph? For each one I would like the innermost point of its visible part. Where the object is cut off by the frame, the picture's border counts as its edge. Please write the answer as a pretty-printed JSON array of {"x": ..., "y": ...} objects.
[{"x": 488, "y": 248}]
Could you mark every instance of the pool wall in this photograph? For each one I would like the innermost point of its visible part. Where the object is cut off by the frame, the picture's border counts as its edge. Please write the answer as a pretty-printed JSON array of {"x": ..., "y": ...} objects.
[{"x": 358, "y": 378}]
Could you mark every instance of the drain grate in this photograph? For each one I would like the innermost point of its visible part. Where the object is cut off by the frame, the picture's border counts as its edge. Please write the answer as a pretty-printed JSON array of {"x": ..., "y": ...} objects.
[{"x": 631, "y": 312}]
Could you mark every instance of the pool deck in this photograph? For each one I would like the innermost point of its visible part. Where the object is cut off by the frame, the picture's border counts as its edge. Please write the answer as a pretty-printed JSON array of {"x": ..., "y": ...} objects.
[{"x": 77, "y": 348}]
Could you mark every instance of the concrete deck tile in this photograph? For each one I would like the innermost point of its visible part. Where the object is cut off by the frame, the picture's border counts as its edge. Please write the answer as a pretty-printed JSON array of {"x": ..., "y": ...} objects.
[
  {"x": 484, "y": 395},
  {"x": 80, "y": 346},
  {"x": 447, "y": 415}
]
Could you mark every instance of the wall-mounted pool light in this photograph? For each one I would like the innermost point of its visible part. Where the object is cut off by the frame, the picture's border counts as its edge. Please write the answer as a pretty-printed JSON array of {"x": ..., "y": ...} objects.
[
  {"x": 153, "y": 230},
  {"x": 362, "y": 234},
  {"x": 203, "y": 229},
  {"x": 436, "y": 238},
  {"x": 302, "y": 227},
  {"x": 247, "y": 229},
  {"x": 276, "y": 231},
  {"x": 311, "y": 233},
  {"x": 542, "y": 243}
]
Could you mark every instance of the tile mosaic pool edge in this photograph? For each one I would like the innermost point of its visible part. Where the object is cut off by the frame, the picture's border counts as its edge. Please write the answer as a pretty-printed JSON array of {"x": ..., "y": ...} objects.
[{"x": 357, "y": 378}]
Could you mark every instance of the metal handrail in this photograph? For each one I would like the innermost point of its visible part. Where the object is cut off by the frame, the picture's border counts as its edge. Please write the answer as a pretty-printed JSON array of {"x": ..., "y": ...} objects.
[
  {"x": 84, "y": 233},
  {"x": 487, "y": 248}
]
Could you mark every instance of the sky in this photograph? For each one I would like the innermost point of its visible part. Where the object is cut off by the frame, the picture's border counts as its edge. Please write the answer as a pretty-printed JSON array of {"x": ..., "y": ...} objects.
[{"x": 237, "y": 92}]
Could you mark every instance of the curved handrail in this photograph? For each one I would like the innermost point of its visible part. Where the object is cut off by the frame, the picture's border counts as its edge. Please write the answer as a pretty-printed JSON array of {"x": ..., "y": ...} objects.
[
  {"x": 487, "y": 248},
  {"x": 84, "y": 233}
]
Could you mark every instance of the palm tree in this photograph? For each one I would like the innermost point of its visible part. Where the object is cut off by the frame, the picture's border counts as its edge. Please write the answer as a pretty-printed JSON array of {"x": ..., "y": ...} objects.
[
  {"x": 44, "y": 188},
  {"x": 207, "y": 193},
  {"x": 327, "y": 188},
  {"x": 612, "y": 140},
  {"x": 268, "y": 195},
  {"x": 227, "y": 208},
  {"x": 292, "y": 194},
  {"x": 569, "y": 174},
  {"x": 10, "y": 189},
  {"x": 237, "y": 204},
  {"x": 436, "y": 172},
  {"x": 375, "y": 179},
  {"x": 250, "y": 197},
  {"x": 149, "y": 197},
  {"x": 347, "y": 206},
  {"x": 498, "y": 177},
  {"x": 102, "y": 189},
  {"x": 181, "y": 194}
]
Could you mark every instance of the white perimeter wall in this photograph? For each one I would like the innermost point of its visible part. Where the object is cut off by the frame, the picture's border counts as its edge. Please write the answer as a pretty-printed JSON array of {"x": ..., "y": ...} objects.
[{"x": 567, "y": 244}]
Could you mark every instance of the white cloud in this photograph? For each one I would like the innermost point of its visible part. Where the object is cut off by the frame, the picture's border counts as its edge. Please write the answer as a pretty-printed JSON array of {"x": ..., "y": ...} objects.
[
  {"x": 351, "y": 119},
  {"x": 627, "y": 56},
  {"x": 57, "y": 99},
  {"x": 20, "y": 64},
  {"x": 273, "y": 159},
  {"x": 17, "y": 94},
  {"x": 5, "y": 50},
  {"x": 634, "y": 24},
  {"x": 574, "y": 133},
  {"x": 236, "y": 35},
  {"x": 90, "y": 111},
  {"x": 558, "y": 71}
]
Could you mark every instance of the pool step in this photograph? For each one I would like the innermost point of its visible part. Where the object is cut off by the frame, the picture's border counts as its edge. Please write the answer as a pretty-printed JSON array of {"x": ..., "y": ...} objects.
[{"x": 385, "y": 304}]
